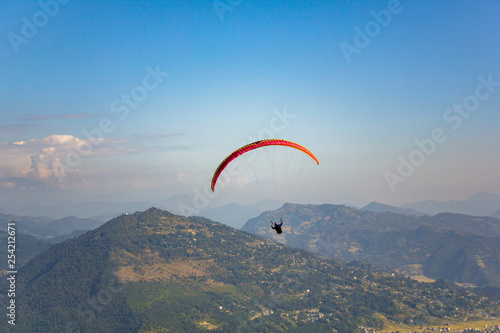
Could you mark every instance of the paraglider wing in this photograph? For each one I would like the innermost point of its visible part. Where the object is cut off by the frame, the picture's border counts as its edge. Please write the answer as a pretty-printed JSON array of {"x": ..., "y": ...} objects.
[{"x": 255, "y": 145}]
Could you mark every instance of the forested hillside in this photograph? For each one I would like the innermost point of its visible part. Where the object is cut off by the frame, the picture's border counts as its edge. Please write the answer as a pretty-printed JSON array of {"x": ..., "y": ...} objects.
[{"x": 154, "y": 271}]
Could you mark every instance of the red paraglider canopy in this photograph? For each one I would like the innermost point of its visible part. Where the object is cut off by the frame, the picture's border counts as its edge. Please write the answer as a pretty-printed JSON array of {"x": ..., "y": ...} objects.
[{"x": 255, "y": 145}]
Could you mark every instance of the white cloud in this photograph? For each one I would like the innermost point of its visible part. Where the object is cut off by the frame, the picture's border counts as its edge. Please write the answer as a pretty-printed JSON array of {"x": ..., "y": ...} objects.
[
  {"x": 42, "y": 165},
  {"x": 59, "y": 159},
  {"x": 53, "y": 141},
  {"x": 38, "y": 159}
]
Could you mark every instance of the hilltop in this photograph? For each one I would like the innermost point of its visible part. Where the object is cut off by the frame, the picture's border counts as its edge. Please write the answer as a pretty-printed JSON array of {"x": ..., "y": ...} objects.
[
  {"x": 154, "y": 271},
  {"x": 377, "y": 207}
]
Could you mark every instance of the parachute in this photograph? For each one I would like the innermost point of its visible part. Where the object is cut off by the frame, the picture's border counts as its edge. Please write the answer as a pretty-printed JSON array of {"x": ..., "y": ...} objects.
[{"x": 255, "y": 145}]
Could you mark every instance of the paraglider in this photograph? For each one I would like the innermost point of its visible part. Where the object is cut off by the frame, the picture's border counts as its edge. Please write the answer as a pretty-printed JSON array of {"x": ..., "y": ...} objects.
[
  {"x": 258, "y": 144},
  {"x": 277, "y": 226},
  {"x": 255, "y": 145}
]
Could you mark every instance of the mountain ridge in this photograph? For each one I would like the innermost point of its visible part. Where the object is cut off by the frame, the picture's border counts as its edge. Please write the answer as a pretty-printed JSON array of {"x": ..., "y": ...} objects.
[
  {"x": 154, "y": 270},
  {"x": 392, "y": 240},
  {"x": 378, "y": 207},
  {"x": 480, "y": 204}
]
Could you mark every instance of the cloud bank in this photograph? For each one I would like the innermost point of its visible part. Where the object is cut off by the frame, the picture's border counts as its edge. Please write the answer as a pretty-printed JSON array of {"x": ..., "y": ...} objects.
[{"x": 59, "y": 159}]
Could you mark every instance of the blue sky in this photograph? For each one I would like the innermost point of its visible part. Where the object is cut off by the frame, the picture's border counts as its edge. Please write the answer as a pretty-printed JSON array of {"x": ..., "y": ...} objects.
[{"x": 146, "y": 98}]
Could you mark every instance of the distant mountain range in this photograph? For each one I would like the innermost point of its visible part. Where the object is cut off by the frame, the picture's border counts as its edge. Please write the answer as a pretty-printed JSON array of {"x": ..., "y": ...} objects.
[
  {"x": 103, "y": 210},
  {"x": 235, "y": 215},
  {"x": 456, "y": 247},
  {"x": 34, "y": 235},
  {"x": 377, "y": 207},
  {"x": 155, "y": 271},
  {"x": 46, "y": 228},
  {"x": 480, "y": 204},
  {"x": 40, "y": 199}
]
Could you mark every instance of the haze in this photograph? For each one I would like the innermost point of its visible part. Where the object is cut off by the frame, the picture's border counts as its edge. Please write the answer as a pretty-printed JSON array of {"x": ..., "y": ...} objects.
[{"x": 118, "y": 101}]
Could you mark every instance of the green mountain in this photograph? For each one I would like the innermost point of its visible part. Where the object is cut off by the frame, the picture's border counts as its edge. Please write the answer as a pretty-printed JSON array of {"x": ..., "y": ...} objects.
[
  {"x": 154, "y": 271},
  {"x": 455, "y": 247},
  {"x": 26, "y": 248}
]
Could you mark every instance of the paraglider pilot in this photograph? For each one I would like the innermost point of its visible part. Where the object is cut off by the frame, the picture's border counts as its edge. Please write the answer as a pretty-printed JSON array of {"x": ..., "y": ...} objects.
[{"x": 277, "y": 226}]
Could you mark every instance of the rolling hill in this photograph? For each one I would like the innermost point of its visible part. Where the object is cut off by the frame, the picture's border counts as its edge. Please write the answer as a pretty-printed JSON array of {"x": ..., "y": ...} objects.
[{"x": 153, "y": 271}]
